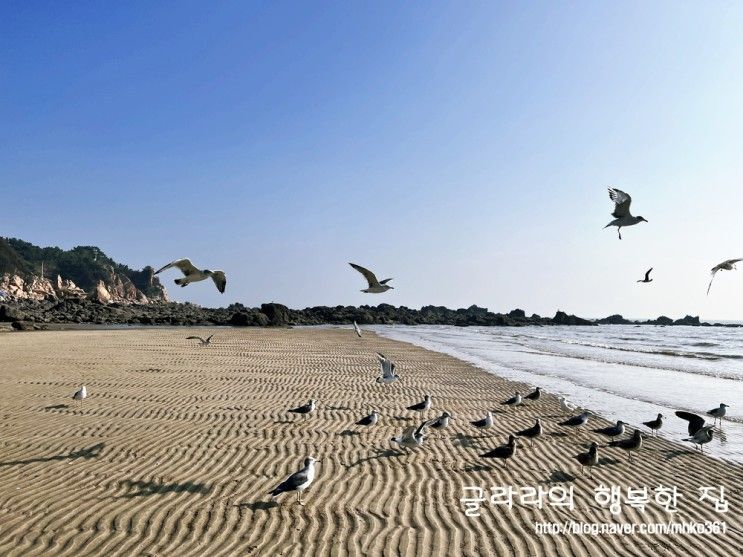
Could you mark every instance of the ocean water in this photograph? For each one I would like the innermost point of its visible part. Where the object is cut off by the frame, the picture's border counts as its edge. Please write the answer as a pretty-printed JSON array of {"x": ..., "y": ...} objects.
[{"x": 622, "y": 372}]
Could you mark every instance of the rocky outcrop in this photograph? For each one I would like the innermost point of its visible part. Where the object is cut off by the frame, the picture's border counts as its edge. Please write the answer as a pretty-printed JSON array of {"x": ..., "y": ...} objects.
[
  {"x": 688, "y": 320},
  {"x": 615, "y": 319},
  {"x": 562, "y": 318}
]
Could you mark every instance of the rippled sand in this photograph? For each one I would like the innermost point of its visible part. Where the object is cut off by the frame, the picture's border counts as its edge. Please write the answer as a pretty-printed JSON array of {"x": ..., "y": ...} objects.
[{"x": 175, "y": 448}]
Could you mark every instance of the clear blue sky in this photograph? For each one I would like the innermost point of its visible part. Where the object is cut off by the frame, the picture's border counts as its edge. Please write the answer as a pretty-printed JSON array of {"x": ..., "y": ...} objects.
[{"x": 462, "y": 148}]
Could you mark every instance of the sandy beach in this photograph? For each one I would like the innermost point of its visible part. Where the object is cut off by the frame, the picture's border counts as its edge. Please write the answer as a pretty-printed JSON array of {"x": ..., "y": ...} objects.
[{"x": 175, "y": 449}]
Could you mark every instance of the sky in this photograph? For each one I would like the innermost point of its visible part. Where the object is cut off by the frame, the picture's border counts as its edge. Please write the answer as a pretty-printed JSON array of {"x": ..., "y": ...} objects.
[{"x": 463, "y": 148}]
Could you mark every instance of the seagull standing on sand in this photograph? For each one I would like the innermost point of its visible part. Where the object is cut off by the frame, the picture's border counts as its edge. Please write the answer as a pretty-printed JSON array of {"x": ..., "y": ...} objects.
[
  {"x": 621, "y": 214},
  {"x": 422, "y": 406},
  {"x": 515, "y": 400},
  {"x": 718, "y": 413},
  {"x": 81, "y": 394},
  {"x": 411, "y": 437},
  {"x": 612, "y": 431},
  {"x": 532, "y": 432},
  {"x": 534, "y": 395},
  {"x": 204, "y": 341},
  {"x": 305, "y": 409},
  {"x": 298, "y": 481},
  {"x": 647, "y": 276},
  {"x": 630, "y": 444},
  {"x": 369, "y": 420},
  {"x": 192, "y": 274},
  {"x": 388, "y": 370},
  {"x": 356, "y": 328},
  {"x": 442, "y": 422},
  {"x": 655, "y": 424},
  {"x": 728, "y": 265},
  {"x": 576, "y": 421},
  {"x": 375, "y": 286},
  {"x": 701, "y": 437},
  {"x": 504, "y": 451},
  {"x": 485, "y": 423},
  {"x": 589, "y": 459}
]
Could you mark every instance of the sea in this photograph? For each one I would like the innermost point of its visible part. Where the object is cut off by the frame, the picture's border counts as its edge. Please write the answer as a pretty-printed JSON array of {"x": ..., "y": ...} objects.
[{"x": 621, "y": 372}]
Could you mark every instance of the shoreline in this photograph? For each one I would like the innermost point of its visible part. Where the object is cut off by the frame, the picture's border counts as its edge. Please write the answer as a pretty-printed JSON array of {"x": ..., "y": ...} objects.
[{"x": 197, "y": 436}]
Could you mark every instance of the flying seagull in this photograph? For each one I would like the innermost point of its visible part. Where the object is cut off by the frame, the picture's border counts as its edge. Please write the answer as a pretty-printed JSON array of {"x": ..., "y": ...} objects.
[
  {"x": 204, "y": 341},
  {"x": 375, "y": 286},
  {"x": 534, "y": 395},
  {"x": 411, "y": 437},
  {"x": 612, "y": 431},
  {"x": 485, "y": 423},
  {"x": 515, "y": 400},
  {"x": 728, "y": 265},
  {"x": 442, "y": 422},
  {"x": 576, "y": 421},
  {"x": 298, "y": 481},
  {"x": 81, "y": 394},
  {"x": 655, "y": 424},
  {"x": 388, "y": 370},
  {"x": 647, "y": 276},
  {"x": 695, "y": 422},
  {"x": 421, "y": 406},
  {"x": 305, "y": 409},
  {"x": 504, "y": 451},
  {"x": 718, "y": 413},
  {"x": 357, "y": 329},
  {"x": 589, "y": 459},
  {"x": 532, "y": 432},
  {"x": 192, "y": 274},
  {"x": 701, "y": 437},
  {"x": 621, "y": 214},
  {"x": 631, "y": 444},
  {"x": 369, "y": 420}
]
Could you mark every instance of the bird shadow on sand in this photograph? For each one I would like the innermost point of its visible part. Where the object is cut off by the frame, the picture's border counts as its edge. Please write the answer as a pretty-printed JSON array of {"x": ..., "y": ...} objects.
[
  {"x": 145, "y": 488},
  {"x": 606, "y": 461},
  {"x": 90, "y": 452},
  {"x": 559, "y": 476},
  {"x": 478, "y": 468},
  {"x": 378, "y": 453},
  {"x": 676, "y": 452},
  {"x": 258, "y": 505},
  {"x": 403, "y": 418},
  {"x": 337, "y": 407},
  {"x": 466, "y": 441},
  {"x": 557, "y": 434},
  {"x": 349, "y": 433},
  {"x": 284, "y": 421},
  {"x": 56, "y": 407}
]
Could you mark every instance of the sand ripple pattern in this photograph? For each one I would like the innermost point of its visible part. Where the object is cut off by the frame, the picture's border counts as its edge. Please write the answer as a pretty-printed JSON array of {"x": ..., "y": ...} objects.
[{"x": 177, "y": 445}]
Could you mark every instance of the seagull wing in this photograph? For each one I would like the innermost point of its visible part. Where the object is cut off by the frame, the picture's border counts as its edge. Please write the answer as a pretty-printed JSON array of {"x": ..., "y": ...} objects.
[
  {"x": 388, "y": 369},
  {"x": 621, "y": 201},
  {"x": 220, "y": 280},
  {"x": 385, "y": 281},
  {"x": 695, "y": 422},
  {"x": 184, "y": 265},
  {"x": 196, "y": 338},
  {"x": 409, "y": 432},
  {"x": 292, "y": 482},
  {"x": 710, "y": 282},
  {"x": 647, "y": 275},
  {"x": 368, "y": 275},
  {"x": 725, "y": 264},
  {"x": 422, "y": 426}
]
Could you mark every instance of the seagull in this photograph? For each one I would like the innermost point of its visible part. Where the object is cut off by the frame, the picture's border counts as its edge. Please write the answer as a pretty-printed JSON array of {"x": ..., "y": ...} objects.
[
  {"x": 356, "y": 328},
  {"x": 576, "y": 421},
  {"x": 655, "y": 424},
  {"x": 369, "y": 420},
  {"x": 590, "y": 459},
  {"x": 728, "y": 265},
  {"x": 647, "y": 276},
  {"x": 695, "y": 422},
  {"x": 515, "y": 400},
  {"x": 631, "y": 444},
  {"x": 422, "y": 406},
  {"x": 375, "y": 286},
  {"x": 298, "y": 481},
  {"x": 204, "y": 341},
  {"x": 565, "y": 406},
  {"x": 442, "y": 422},
  {"x": 535, "y": 394},
  {"x": 388, "y": 370},
  {"x": 704, "y": 435},
  {"x": 305, "y": 410},
  {"x": 192, "y": 274},
  {"x": 81, "y": 394},
  {"x": 621, "y": 214},
  {"x": 532, "y": 432},
  {"x": 612, "y": 431},
  {"x": 504, "y": 451},
  {"x": 718, "y": 413},
  {"x": 411, "y": 437},
  {"x": 485, "y": 423}
]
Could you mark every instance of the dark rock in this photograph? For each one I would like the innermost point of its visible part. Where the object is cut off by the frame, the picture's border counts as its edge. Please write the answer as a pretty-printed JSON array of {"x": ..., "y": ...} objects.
[
  {"x": 8, "y": 313},
  {"x": 517, "y": 314},
  {"x": 688, "y": 320},
  {"x": 562, "y": 318},
  {"x": 615, "y": 319},
  {"x": 278, "y": 315},
  {"x": 22, "y": 326}
]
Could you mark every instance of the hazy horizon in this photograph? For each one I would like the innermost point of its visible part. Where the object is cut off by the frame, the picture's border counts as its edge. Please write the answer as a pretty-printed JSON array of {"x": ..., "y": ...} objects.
[{"x": 464, "y": 152}]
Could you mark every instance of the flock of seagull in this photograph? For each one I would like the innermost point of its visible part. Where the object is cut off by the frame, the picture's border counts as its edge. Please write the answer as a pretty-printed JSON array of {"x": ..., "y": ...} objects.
[{"x": 413, "y": 437}]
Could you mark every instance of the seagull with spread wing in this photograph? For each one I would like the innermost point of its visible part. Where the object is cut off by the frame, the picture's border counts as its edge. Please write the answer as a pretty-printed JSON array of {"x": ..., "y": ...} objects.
[
  {"x": 621, "y": 214},
  {"x": 192, "y": 274},
  {"x": 728, "y": 265},
  {"x": 375, "y": 286},
  {"x": 204, "y": 341},
  {"x": 411, "y": 437},
  {"x": 388, "y": 370},
  {"x": 647, "y": 276}
]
